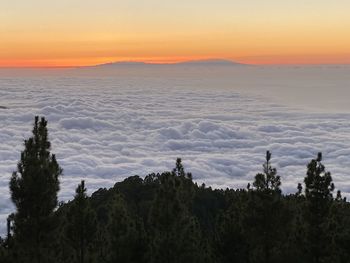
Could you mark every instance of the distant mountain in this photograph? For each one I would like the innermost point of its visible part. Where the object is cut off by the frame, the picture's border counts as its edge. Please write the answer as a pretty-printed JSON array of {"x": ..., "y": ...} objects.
[
  {"x": 210, "y": 62},
  {"x": 207, "y": 62},
  {"x": 122, "y": 63}
]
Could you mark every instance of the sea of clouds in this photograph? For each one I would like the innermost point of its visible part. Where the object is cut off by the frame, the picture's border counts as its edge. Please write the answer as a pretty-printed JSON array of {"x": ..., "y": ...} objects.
[{"x": 106, "y": 127}]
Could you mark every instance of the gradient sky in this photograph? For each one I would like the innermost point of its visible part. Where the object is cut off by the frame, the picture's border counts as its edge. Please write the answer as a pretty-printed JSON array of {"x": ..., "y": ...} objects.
[{"x": 87, "y": 32}]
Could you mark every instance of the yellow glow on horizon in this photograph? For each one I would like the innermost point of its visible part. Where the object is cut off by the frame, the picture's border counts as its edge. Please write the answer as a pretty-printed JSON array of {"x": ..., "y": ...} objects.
[{"x": 42, "y": 33}]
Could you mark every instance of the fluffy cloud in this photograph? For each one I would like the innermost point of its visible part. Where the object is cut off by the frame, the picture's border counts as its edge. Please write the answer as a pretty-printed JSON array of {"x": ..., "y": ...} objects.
[{"x": 104, "y": 129}]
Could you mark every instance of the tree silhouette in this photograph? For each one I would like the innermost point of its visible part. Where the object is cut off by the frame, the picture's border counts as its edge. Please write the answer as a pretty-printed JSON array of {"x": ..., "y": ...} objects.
[
  {"x": 81, "y": 223},
  {"x": 34, "y": 188},
  {"x": 175, "y": 233},
  {"x": 125, "y": 234},
  {"x": 268, "y": 180},
  {"x": 318, "y": 193},
  {"x": 265, "y": 207}
]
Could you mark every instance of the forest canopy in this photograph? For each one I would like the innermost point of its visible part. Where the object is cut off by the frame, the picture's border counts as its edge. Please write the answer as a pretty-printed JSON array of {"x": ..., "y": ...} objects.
[{"x": 167, "y": 217}]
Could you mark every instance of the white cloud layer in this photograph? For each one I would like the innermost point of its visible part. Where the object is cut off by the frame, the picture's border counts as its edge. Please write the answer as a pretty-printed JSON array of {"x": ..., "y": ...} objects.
[{"x": 104, "y": 129}]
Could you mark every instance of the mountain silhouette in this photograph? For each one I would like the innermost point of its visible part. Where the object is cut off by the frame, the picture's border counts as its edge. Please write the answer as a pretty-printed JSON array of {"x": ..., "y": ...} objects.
[{"x": 207, "y": 62}]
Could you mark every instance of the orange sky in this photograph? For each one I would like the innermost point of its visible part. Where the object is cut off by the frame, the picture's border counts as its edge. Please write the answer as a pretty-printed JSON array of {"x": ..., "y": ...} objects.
[{"x": 38, "y": 33}]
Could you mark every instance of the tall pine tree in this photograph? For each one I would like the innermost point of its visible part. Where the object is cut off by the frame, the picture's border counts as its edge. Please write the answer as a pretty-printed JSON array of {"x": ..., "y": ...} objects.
[
  {"x": 34, "y": 188},
  {"x": 318, "y": 194},
  {"x": 264, "y": 215}
]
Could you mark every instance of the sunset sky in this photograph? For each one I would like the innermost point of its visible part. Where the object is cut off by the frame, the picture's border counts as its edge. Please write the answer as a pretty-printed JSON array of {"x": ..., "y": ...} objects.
[{"x": 87, "y": 32}]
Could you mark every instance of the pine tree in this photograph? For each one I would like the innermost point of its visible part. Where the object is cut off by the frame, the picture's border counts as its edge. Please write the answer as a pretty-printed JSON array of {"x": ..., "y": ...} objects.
[
  {"x": 265, "y": 215},
  {"x": 318, "y": 194},
  {"x": 318, "y": 182},
  {"x": 34, "y": 188},
  {"x": 185, "y": 183},
  {"x": 268, "y": 181},
  {"x": 179, "y": 170},
  {"x": 175, "y": 233},
  {"x": 81, "y": 223}
]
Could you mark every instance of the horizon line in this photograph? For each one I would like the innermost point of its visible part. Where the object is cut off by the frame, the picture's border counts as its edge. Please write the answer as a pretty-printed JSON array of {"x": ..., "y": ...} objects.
[{"x": 149, "y": 62}]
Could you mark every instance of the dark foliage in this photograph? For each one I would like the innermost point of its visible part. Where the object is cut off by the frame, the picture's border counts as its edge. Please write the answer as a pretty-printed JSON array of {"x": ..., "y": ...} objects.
[
  {"x": 168, "y": 218},
  {"x": 34, "y": 188},
  {"x": 80, "y": 225}
]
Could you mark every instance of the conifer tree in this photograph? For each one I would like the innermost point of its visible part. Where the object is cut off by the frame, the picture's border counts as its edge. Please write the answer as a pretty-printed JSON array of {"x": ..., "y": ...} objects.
[
  {"x": 264, "y": 215},
  {"x": 34, "y": 188},
  {"x": 318, "y": 181},
  {"x": 268, "y": 181},
  {"x": 81, "y": 223},
  {"x": 318, "y": 194},
  {"x": 185, "y": 183},
  {"x": 175, "y": 234},
  {"x": 179, "y": 170}
]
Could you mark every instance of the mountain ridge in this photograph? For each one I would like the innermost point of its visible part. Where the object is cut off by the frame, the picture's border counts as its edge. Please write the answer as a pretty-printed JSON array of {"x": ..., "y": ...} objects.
[{"x": 202, "y": 62}]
